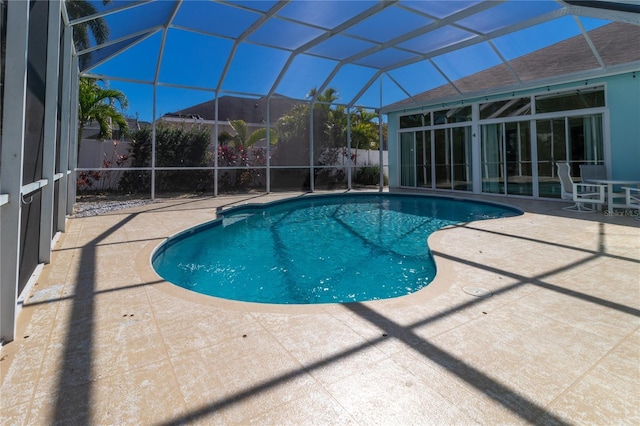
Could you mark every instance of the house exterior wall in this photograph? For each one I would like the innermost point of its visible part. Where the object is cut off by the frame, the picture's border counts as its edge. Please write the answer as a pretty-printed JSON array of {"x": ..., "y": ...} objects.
[
  {"x": 623, "y": 101},
  {"x": 393, "y": 149}
]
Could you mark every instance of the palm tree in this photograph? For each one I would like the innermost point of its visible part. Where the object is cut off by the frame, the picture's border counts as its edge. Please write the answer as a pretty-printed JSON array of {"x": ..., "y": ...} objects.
[
  {"x": 329, "y": 130},
  {"x": 364, "y": 131},
  {"x": 98, "y": 103},
  {"x": 242, "y": 136},
  {"x": 325, "y": 99},
  {"x": 98, "y": 27}
]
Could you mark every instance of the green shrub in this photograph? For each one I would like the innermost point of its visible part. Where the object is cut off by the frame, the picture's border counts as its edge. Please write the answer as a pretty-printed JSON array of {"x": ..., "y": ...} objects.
[
  {"x": 176, "y": 146},
  {"x": 369, "y": 175}
]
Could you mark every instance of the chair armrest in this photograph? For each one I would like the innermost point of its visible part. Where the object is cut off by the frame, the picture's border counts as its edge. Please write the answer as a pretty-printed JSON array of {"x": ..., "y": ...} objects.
[
  {"x": 631, "y": 196},
  {"x": 591, "y": 192}
]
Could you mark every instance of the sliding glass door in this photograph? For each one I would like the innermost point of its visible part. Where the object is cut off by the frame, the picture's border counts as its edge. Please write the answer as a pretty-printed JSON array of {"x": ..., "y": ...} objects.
[
  {"x": 408, "y": 159},
  {"x": 506, "y": 158},
  {"x": 576, "y": 140},
  {"x": 518, "y": 155},
  {"x": 423, "y": 158},
  {"x": 492, "y": 153},
  {"x": 462, "y": 178},
  {"x": 453, "y": 158},
  {"x": 447, "y": 152}
]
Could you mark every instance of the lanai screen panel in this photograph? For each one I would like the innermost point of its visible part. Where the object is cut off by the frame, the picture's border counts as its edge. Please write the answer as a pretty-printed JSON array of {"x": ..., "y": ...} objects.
[
  {"x": 34, "y": 142},
  {"x": 266, "y": 48}
]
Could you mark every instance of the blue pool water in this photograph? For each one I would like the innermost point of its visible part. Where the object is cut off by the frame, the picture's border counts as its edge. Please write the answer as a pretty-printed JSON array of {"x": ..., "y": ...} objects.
[{"x": 317, "y": 249}]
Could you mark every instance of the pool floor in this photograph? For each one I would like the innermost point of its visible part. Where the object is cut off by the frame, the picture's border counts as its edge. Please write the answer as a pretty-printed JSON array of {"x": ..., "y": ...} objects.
[{"x": 102, "y": 340}]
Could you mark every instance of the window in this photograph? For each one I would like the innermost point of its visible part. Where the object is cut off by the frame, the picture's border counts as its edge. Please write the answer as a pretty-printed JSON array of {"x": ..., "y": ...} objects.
[
  {"x": 410, "y": 121},
  {"x": 505, "y": 108},
  {"x": 455, "y": 115},
  {"x": 578, "y": 99}
]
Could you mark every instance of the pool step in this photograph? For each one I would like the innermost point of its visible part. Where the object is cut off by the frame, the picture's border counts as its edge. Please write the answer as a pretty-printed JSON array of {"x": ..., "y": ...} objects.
[{"x": 227, "y": 221}]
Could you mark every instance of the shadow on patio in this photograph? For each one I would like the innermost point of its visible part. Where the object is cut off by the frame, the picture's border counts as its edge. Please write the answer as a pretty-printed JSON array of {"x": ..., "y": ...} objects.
[{"x": 553, "y": 345}]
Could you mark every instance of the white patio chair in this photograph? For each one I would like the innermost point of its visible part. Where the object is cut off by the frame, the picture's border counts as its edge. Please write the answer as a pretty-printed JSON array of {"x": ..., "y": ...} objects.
[
  {"x": 579, "y": 193},
  {"x": 591, "y": 172},
  {"x": 632, "y": 199}
]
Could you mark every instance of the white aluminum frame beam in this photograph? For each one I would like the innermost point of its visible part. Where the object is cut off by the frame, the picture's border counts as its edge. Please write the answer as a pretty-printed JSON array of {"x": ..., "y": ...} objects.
[
  {"x": 311, "y": 159},
  {"x": 215, "y": 148},
  {"x": 66, "y": 132},
  {"x": 337, "y": 30},
  {"x": 463, "y": 44},
  {"x": 242, "y": 37},
  {"x": 267, "y": 149},
  {"x": 155, "y": 97},
  {"x": 350, "y": 163},
  {"x": 408, "y": 36},
  {"x": 153, "y": 31},
  {"x": 380, "y": 143},
  {"x": 73, "y": 139}
]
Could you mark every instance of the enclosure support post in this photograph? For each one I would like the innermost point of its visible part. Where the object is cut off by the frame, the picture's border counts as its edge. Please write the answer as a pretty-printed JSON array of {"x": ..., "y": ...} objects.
[
  {"x": 349, "y": 162},
  {"x": 381, "y": 141},
  {"x": 13, "y": 134},
  {"x": 311, "y": 173},
  {"x": 65, "y": 130},
  {"x": 73, "y": 140},
  {"x": 380, "y": 150},
  {"x": 268, "y": 148},
  {"x": 215, "y": 150},
  {"x": 50, "y": 132},
  {"x": 153, "y": 142}
]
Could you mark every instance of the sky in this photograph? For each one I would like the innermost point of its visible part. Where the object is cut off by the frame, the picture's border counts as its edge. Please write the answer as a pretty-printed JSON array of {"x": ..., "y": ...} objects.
[{"x": 191, "y": 60}]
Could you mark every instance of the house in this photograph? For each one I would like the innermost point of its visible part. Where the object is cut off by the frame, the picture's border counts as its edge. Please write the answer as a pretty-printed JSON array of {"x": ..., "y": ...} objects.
[
  {"x": 502, "y": 140},
  {"x": 251, "y": 110}
]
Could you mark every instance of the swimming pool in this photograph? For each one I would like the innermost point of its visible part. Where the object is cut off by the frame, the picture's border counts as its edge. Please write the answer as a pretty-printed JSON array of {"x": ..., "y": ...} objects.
[{"x": 317, "y": 249}]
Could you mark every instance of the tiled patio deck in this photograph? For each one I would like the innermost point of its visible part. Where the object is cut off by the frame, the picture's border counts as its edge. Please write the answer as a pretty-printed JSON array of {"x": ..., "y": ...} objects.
[{"x": 103, "y": 341}]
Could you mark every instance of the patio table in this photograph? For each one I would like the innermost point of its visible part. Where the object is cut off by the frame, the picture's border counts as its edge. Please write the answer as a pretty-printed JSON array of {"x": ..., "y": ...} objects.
[{"x": 611, "y": 195}]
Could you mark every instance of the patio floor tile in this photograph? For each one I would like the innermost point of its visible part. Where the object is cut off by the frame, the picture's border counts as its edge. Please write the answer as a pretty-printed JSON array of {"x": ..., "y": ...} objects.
[{"x": 102, "y": 339}]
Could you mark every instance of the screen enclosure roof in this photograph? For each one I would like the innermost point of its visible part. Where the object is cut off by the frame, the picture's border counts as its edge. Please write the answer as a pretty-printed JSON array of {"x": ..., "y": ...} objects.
[{"x": 372, "y": 53}]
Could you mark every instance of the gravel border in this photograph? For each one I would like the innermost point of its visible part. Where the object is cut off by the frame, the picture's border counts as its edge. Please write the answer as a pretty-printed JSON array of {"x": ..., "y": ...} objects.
[{"x": 95, "y": 208}]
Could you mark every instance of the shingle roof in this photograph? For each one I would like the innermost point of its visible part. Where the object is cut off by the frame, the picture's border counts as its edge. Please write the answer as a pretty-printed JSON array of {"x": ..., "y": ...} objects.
[
  {"x": 617, "y": 43},
  {"x": 238, "y": 108}
]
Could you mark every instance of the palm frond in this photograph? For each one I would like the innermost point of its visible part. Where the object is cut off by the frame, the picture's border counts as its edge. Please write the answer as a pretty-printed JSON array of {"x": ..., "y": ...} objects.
[
  {"x": 98, "y": 104},
  {"x": 262, "y": 134}
]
